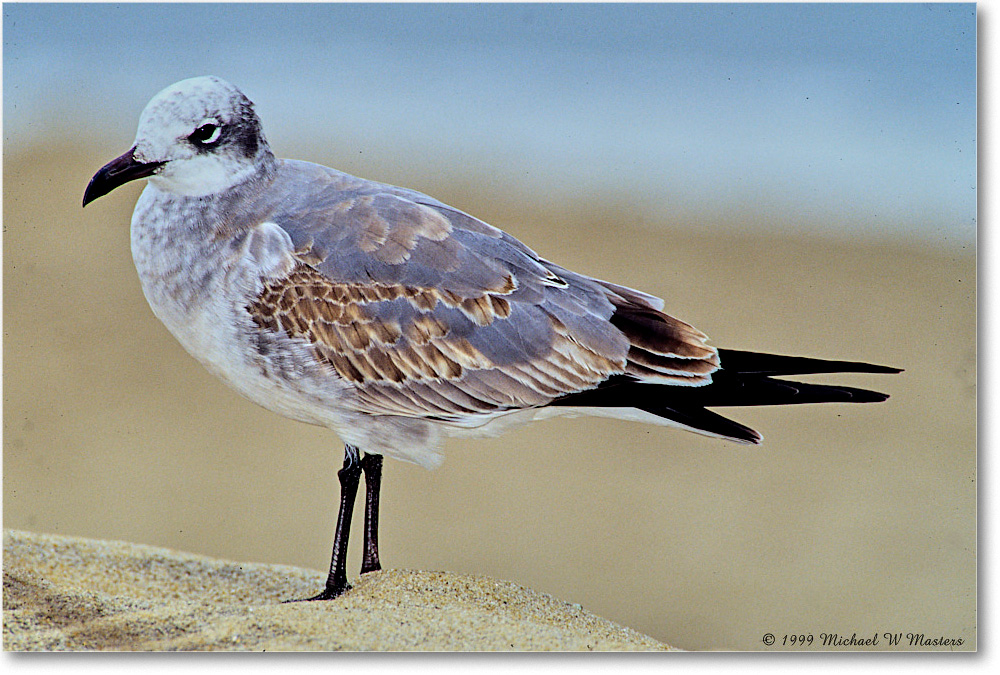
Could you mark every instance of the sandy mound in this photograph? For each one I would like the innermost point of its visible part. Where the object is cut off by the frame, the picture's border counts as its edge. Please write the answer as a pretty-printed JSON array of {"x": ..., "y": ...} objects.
[{"x": 65, "y": 593}]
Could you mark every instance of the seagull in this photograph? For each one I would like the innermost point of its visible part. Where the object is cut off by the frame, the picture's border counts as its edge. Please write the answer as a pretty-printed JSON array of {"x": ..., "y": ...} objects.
[{"x": 394, "y": 319}]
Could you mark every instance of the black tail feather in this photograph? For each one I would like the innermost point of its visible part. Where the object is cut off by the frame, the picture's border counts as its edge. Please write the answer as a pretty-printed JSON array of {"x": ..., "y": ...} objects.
[
  {"x": 744, "y": 379},
  {"x": 774, "y": 364},
  {"x": 707, "y": 421},
  {"x": 741, "y": 389}
]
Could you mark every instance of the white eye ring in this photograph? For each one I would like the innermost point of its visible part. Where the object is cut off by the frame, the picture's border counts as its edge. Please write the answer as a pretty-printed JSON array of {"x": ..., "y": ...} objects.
[{"x": 208, "y": 132}]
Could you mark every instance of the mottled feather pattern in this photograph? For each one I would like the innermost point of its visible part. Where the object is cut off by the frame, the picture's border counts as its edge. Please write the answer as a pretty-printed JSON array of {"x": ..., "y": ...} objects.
[
  {"x": 398, "y": 347},
  {"x": 473, "y": 322}
]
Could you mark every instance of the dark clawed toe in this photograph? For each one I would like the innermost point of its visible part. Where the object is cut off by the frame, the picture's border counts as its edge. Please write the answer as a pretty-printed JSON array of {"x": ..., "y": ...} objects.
[{"x": 328, "y": 593}]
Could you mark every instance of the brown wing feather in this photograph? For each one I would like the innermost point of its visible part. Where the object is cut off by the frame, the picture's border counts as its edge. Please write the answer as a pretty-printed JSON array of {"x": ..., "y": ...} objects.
[
  {"x": 662, "y": 348},
  {"x": 367, "y": 243},
  {"x": 421, "y": 368}
]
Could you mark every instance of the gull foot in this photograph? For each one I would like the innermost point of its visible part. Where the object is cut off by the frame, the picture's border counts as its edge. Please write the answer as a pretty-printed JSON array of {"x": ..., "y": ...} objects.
[{"x": 328, "y": 593}]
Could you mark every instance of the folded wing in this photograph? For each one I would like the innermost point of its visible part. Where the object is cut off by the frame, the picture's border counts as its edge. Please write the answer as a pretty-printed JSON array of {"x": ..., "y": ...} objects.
[{"x": 431, "y": 313}]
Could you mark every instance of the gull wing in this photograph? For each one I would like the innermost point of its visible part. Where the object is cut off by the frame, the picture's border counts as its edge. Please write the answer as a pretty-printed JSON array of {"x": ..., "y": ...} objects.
[{"x": 432, "y": 313}]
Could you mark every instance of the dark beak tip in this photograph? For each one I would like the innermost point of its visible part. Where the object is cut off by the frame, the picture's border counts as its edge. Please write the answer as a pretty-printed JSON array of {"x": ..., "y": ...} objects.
[
  {"x": 97, "y": 187},
  {"x": 116, "y": 173},
  {"x": 89, "y": 194}
]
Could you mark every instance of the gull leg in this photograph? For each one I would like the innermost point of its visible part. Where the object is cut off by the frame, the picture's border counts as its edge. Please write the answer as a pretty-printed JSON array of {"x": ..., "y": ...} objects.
[
  {"x": 350, "y": 475},
  {"x": 372, "y": 466}
]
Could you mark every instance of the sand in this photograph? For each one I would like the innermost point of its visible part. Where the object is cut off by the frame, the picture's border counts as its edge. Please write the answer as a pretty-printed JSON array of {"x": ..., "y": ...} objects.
[
  {"x": 848, "y": 518},
  {"x": 68, "y": 593}
]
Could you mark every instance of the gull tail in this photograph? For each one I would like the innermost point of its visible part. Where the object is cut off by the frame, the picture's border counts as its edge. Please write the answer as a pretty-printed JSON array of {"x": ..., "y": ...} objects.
[
  {"x": 743, "y": 379},
  {"x": 774, "y": 364}
]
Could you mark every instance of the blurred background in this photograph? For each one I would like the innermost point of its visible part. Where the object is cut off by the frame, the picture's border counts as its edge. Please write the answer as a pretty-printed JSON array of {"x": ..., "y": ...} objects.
[{"x": 790, "y": 178}]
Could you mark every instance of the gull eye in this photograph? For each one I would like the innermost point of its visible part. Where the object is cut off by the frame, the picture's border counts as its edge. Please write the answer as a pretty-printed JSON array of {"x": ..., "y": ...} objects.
[{"x": 206, "y": 134}]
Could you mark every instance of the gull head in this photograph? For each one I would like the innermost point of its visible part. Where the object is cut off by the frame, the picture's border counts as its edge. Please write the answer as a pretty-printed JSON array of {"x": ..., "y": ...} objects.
[{"x": 196, "y": 137}]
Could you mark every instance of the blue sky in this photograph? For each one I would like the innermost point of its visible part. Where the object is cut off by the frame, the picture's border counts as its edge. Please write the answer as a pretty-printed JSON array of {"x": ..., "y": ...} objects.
[{"x": 856, "y": 120}]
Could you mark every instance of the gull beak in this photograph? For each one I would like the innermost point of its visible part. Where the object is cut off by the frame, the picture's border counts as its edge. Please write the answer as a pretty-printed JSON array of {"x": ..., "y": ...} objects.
[{"x": 117, "y": 172}]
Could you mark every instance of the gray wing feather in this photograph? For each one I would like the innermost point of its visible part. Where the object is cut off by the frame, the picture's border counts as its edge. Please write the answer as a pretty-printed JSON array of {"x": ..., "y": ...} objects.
[{"x": 481, "y": 324}]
